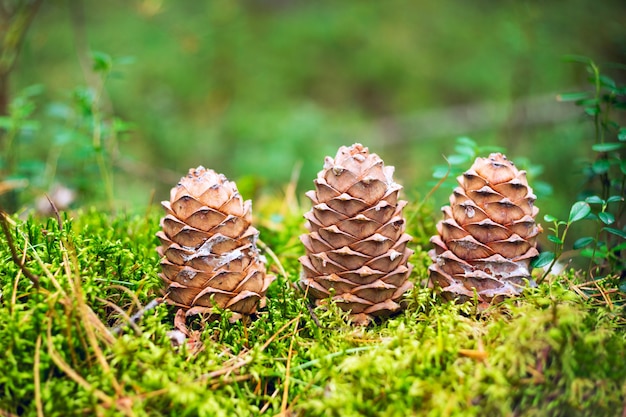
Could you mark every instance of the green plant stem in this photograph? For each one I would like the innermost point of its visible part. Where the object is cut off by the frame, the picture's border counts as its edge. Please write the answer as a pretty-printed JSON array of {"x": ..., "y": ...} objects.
[
  {"x": 37, "y": 377},
  {"x": 105, "y": 173},
  {"x": 315, "y": 362},
  {"x": 596, "y": 118},
  {"x": 558, "y": 251},
  {"x": 103, "y": 167},
  {"x": 593, "y": 254}
]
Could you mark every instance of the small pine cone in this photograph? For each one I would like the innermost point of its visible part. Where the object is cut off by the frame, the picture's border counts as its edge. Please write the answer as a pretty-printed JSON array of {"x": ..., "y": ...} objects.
[
  {"x": 208, "y": 247},
  {"x": 488, "y": 235},
  {"x": 356, "y": 250}
]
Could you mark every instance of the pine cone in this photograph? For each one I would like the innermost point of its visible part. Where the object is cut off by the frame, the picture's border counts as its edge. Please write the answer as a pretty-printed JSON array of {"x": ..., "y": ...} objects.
[
  {"x": 356, "y": 250},
  {"x": 488, "y": 235},
  {"x": 208, "y": 247}
]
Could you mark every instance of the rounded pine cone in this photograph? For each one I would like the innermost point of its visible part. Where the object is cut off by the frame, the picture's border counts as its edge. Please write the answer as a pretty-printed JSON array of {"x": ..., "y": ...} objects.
[
  {"x": 208, "y": 247},
  {"x": 356, "y": 250},
  {"x": 487, "y": 238}
]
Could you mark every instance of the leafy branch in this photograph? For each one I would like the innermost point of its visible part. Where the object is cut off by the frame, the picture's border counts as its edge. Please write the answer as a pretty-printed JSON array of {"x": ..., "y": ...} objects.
[{"x": 579, "y": 211}]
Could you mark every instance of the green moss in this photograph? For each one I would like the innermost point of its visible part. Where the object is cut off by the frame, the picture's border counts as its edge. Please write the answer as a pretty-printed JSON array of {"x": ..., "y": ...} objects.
[{"x": 546, "y": 353}]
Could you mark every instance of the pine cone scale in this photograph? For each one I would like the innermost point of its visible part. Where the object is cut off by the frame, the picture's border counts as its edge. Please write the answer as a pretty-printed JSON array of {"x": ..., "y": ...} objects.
[
  {"x": 183, "y": 207},
  {"x": 205, "y": 219},
  {"x": 333, "y": 234},
  {"x": 347, "y": 205}
]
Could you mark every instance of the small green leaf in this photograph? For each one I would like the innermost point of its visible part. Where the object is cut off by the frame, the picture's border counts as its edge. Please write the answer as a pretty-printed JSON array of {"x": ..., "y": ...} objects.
[
  {"x": 607, "y": 82},
  {"x": 615, "y": 232},
  {"x": 542, "y": 188},
  {"x": 441, "y": 171},
  {"x": 466, "y": 151},
  {"x": 621, "y": 135},
  {"x": 542, "y": 260},
  {"x": 464, "y": 140},
  {"x": 607, "y": 218},
  {"x": 121, "y": 126},
  {"x": 614, "y": 198},
  {"x": 458, "y": 159},
  {"x": 582, "y": 242},
  {"x": 592, "y": 111},
  {"x": 607, "y": 147},
  {"x": 594, "y": 199},
  {"x": 579, "y": 211},
  {"x": 550, "y": 218},
  {"x": 577, "y": 58},
  {"x": 590, "y": 102},
  {"x": 102, "y": 62},
  {"x": 597, "y": 253},
  {"x": 572, "y": 96},
  {"x": 601, "y": 166},
  {"x": 612, "y": 125},
  {"x": 555, "y": 239},
  {"x": 617, "y": 249}
]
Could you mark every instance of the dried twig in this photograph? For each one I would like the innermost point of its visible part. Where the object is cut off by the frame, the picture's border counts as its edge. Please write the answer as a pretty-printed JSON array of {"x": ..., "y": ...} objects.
[
  {"x": 269, "y": 402},
  {"x": 132, "y": 320},
  {"x": 37, "y": 377},
  {"x": 283, "y": 405},
  {"x": 72, "y": 374},
  {"x": 17, "y": 279},
  {"x": 55, "y": 210}
]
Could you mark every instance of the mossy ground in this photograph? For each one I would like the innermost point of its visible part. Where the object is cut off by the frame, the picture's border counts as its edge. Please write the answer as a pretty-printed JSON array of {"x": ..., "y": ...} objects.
[{"x": 550, "y": 352}]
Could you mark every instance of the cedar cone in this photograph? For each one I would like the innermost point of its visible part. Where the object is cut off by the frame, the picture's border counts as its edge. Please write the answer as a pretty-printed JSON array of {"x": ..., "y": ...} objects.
[
  {"x": 356, "y": 251},
  {"x": 208, "y": 247},
  {"x": 487, "y": 238}
]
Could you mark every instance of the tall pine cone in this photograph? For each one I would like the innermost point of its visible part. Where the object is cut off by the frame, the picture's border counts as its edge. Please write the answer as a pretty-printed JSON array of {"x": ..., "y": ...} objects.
[
  {"x": 208, "y": 247},
  {"x": 356, "y": 250},
  {"x": 488, "y": 235}
]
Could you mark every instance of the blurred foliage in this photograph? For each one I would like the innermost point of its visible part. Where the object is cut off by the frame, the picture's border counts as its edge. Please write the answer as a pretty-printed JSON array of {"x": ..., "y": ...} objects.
[{"x": 255, "y": 88}]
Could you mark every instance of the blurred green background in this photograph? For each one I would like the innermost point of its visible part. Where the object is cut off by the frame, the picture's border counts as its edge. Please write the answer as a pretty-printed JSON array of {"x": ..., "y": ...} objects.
[{"x": 262, "y": 90}]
